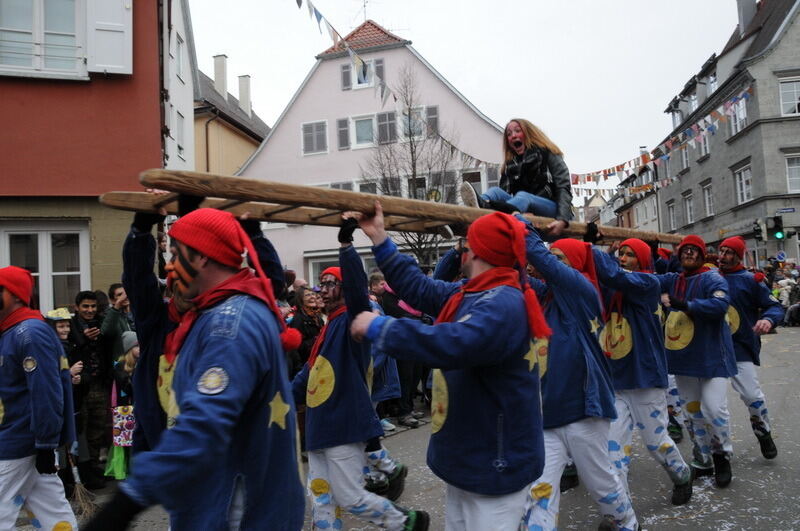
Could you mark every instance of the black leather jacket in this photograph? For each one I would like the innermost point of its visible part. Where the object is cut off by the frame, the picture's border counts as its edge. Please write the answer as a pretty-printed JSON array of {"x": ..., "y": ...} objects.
[{"x": 542, "y": 173}]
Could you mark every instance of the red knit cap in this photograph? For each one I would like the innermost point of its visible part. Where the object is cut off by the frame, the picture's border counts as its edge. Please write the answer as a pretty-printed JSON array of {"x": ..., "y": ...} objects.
[
  {"x": 664, "y": 253},
  {"x": 213, "y": 233},
  {"x": 580, "y": 257},
  {"x": 492, "y": 238},
  {"x": 18, "y": 281},
  {"x": 335, "y": 271},
  {"x": 697, "y": 241},
  {"x": 736, "y": 244},
  {"x": 642, "y": 252}
]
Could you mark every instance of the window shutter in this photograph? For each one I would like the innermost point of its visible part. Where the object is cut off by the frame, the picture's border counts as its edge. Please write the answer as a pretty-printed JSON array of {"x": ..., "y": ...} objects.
[
  {"x": 379, "y": 68},
  {"x": 109, "y": 36},
  {"x": 387, "y": 128},
  {"x": 308, "y": 138},
  {"x": 320, "y": 136},
  {"x": 343, "y": 128},
  {"x": 432, "y": 118},
  {"x": 346, "y": 77}
]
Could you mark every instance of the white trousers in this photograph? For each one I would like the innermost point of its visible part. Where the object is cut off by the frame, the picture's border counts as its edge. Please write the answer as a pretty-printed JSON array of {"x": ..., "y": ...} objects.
[
  {"x": 336, "y": 483},
  {"x": 468, "y": 511},
  {"x": 645, "y": 409},
  {"x": 586, "y": 442},
  {"x": 41, "y": 494},
  {"x": 674, "y": 402},
  {"x": 707, "y": 417},
  {"x": 746, "y": 384}
]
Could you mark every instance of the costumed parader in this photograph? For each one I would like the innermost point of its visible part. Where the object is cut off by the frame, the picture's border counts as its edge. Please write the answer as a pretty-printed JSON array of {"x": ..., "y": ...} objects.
[
  {"x": 232, "y": 433},
  {"x": 633, "y": 339},
  {"x": 753, "y": 311},
  {"x": 533, "y": 178},
  {"x": 36, "y": 414},
  {"x": 700, "y": 354},
  {"x": 486, "y": 440},
  {"x": 577, "y": 387}
]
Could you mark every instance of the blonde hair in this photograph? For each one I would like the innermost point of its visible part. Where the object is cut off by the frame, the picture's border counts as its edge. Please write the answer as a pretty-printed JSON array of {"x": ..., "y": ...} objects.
[
  {"x": 130, "y": 361},
  {"x": 533, "y": 137}
]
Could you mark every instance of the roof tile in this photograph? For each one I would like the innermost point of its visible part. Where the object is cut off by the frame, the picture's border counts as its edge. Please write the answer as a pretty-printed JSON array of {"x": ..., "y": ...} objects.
[{"x": 367, "y": 35}]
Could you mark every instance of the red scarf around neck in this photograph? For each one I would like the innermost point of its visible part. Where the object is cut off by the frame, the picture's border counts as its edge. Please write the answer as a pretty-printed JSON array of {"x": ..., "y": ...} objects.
[
  {"x": 243, "y": 282},
  {"x": 321, "y": 337},
  {"x": 17, "y": 316},
  {"x": 734, "y": 269},
  {"x": 498, "y": 276},
  {"x": 680, "y": 284}
]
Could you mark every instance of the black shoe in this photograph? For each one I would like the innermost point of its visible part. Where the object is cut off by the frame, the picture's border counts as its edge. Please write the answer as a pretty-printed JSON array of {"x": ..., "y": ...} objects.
[
  {"x": 396, "y": 482},
  {"x": 89, "y": 478},
  {"x": 699, "y": 471},
  {"x": 376, "y": 482},
  {"x": 607, "y": 524},
  {"x": 682, "y": 493},
  {"x": 569, "y": 478},
  {"x": 722, "y": 470},
  {"x": 674, "y": 430},
  {"x": 502, "y": 206},
  {"x": 768, "y": 448},
  {"x": 415, "y": 520}
]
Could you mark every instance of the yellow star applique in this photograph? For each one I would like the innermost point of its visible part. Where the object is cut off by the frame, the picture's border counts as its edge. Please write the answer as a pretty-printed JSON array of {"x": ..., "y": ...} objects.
[
  {"x": 277, "y": 411},
  {"x": 595, "y": 325},
  {"x": 531, "y": 357}
]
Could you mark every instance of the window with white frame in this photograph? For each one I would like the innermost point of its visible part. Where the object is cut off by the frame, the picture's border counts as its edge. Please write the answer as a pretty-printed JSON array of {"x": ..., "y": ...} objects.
[
  {"x": 677, "y": 118},
  {"x": 793, "y": 173},
  {"x": 342, "y": 185},
  {"x": 743, "y": 180},
  {"x": 368, "y": 188},
  {"x": 179, "y": 127},
  {"x": 364, "y": 131},
  {"x": 739, "y": 116},
  {"x": 654, "y": 208},
  {"x": 688, "y": 207},
  {"x": 57, "y": 255},
  {"x": 671, "y": 215},
  {"x": 413, "y": 122},
  {"x": 387, "y": 127},
  {"x": 708, "y": 200},
  {"x": 315, "y": 137},
  {"x": 790, "y": 97},
  {"x": 684, "y": 157},
  {"x": 712, "y": 83},
  {"x": 179, "y": 51},
  {"x": 704, "y": 150},
  {"x": 365, "y": 76},
  {"x": 645, "y": 215},
  {"x": 693, "y": 102}
]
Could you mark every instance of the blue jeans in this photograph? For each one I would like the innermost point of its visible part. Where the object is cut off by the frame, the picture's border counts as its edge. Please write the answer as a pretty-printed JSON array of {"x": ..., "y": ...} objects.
[{"x": 523, "y": 201}]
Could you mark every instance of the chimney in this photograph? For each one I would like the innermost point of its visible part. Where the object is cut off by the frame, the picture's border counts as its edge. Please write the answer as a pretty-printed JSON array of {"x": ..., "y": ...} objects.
[
  {"x": 221, "y": 75},
  {"x": 747, "y": 10},
  {"x": 244, "y": 95}
]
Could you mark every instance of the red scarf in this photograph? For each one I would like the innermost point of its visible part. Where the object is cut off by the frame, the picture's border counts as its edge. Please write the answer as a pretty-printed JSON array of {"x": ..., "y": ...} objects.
[
  {"x": 498, "y": 276},
  {"x": 680, "y": 284},
  {"x": 735, "y": 269},
  {"x": 242, "y": 282},
  {"x": 17, "y": 316},
  {"x": 321, "y": 337}
]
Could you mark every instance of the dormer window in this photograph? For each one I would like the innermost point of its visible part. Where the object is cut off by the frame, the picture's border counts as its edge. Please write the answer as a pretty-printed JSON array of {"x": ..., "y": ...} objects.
[{"x": 712, "y": 83}]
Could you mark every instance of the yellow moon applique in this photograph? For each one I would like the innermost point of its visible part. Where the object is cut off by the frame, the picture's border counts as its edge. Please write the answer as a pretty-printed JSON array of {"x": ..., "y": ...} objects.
[
  {"x": 733, "y": 319},
  {"x": 166, "y": 394},
  {"x": 2, "y": 411},
  {"x": 370, "y": 374},
  {"x": 439, "y": 401},
  {"x": 617, "y": 336},
  {"x": 321, "y": 381},
  {"x": 679, "y": 331}
]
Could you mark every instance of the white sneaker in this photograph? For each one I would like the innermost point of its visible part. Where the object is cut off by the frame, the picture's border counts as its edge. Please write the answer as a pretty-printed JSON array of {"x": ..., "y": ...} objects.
[
  {"x": 469, "y": 196},
  {"x": 387, "y": 426}
]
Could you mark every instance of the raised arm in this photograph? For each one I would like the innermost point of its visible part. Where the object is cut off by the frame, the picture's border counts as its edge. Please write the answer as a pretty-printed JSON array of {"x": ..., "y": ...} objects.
[{"x": 612, "y": 275}]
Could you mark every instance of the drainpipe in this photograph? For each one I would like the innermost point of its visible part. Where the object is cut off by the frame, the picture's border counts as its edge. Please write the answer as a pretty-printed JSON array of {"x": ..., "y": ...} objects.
[{"x": 216, "y": 115}]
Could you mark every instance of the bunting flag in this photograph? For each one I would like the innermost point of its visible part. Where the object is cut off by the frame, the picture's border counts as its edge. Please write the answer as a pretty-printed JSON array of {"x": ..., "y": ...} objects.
[
  {"x": 318, "y": 16},
  {"x": 311, "y": 9},
  {"x": 299, "y": 4}
]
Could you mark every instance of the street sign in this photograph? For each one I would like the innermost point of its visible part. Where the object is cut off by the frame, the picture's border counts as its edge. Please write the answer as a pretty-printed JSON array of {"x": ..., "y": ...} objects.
[
  {"x": 781, "y": 256},
  {"x": 785, "y": 210}
]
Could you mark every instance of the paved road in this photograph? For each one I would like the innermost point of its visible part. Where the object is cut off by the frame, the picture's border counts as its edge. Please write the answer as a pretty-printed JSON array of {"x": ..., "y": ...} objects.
[{"x": 763, "y": 494}]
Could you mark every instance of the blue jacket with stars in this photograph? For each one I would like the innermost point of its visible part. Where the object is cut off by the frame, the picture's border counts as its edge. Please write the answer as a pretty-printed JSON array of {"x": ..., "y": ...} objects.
[
  {"x": 633, "y": 334},
  {"x": 750, "y": 301},
  {"x": 487, "y": 425},
  {"x": 336, "y": 391},
  {"x": 577, "y": 382},
  {"x": 233, "y": 441},
  {"x": 698, "y": 341},
  {"x": 35, "y": 391}
]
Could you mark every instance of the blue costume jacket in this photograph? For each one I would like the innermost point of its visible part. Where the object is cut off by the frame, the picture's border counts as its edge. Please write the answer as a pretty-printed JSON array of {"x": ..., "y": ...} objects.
[
  {"x": 633, "y": 337},
  {"x": 336, "y": 390},
  {"x": 576, "y": 381},
  {"x": 234, "y": 435},
  {"x": 750, "y": 301},
  {"x": 487, "y": 426},
  {"x": 35, "y": 391},
  {"x": 698, "y": 341},
  {"x": 153, "y": 324},
  {"x": 385, "y": 379}
]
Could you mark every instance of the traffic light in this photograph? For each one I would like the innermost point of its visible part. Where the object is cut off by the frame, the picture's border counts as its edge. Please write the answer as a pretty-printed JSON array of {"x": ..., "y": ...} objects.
[
  {"x": 759, "y": 230},
  {"x": 775, "y": 226}
]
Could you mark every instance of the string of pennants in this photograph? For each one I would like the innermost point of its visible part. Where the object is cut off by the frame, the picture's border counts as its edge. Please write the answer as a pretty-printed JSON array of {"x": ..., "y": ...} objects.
[
  {"x": 690, "y": 137},
  {"x": 382, "y": 89}
]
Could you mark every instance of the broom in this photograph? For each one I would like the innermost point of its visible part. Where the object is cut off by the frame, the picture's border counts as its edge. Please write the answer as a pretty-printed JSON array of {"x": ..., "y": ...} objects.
[{"x": 80, "y": 494}]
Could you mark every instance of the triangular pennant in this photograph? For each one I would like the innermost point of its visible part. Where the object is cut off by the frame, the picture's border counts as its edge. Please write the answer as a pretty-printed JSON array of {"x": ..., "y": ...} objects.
[
  {"x": 299, "y": 4},
  {"x": 318, "y": 16},
  {"x": 310, "y": 7}
]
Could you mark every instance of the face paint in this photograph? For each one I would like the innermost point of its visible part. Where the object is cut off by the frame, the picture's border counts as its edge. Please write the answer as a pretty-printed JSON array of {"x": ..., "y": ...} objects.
[{"x": 180, "y": 272}]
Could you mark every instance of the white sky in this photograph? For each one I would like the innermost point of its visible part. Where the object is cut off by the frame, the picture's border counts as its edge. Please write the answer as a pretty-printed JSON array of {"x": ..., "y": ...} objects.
[{"x": 596, "y": 75}]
